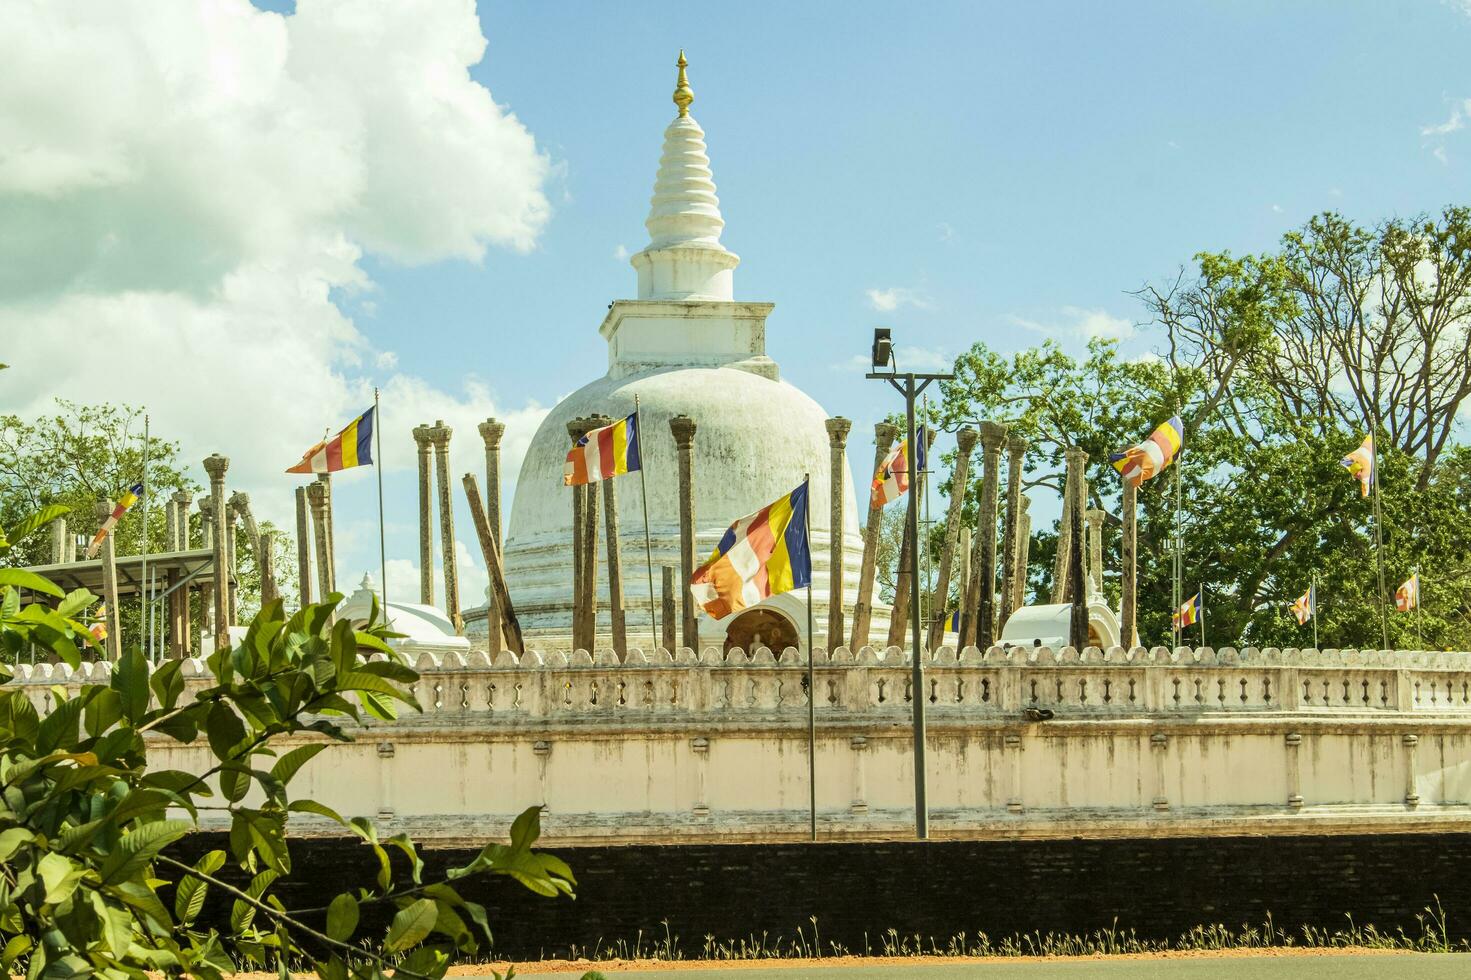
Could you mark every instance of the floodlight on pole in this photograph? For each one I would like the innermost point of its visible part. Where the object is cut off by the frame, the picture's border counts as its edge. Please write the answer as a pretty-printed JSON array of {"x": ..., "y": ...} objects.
[{"x": 910, "y": 385}]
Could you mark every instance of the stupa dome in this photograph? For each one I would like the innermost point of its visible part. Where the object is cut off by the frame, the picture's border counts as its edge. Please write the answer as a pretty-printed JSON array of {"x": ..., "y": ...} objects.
[{"x": 684, "y": 347}]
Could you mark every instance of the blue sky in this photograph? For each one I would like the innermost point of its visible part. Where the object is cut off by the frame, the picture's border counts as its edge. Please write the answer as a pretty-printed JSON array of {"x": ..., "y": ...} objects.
[{"x": 301, "y": 208}]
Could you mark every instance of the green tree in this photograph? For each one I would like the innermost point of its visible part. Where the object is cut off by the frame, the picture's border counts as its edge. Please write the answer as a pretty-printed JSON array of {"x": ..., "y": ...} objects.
[{"x": 87, "y": 883}]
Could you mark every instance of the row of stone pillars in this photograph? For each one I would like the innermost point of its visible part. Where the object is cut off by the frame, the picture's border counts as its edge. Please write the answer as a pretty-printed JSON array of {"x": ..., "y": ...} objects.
[{"x": 219, "y": 592}]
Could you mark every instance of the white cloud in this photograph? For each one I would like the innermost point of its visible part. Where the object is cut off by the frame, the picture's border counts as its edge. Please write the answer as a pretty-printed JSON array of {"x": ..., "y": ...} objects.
[
  {"x": 189, "y": 189},
  {"x": 1455, "y": 122},
  {"x": 403, "y": 579},
  {"x": 889, "y": 300},
  {"x": 1276, "y": 209},
  {"x": 1085, "y": 324},
  {"x": 621, "y": 253},
  {"x": 947, "y": 231},
  {"x": 1440, "y": 154}
]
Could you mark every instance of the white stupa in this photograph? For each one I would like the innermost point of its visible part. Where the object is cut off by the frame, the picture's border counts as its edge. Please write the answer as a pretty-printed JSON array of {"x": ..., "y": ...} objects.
[{"x": 684, "y": 347}]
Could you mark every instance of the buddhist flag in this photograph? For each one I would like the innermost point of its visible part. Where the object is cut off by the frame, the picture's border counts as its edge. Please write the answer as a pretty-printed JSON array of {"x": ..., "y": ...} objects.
[
  {"x": 1148, "y": 459},
  {"x": 612, "y": 450},
  {"x": 1407, "y": 596},
  {"x": 893, "y": 476},
  {"x": 760, "y": 556},
  {"x": 952, "y": 622},
  {"x": 127, "y": 500},
  {"x": 99, "y": 628},
  {"x": 1360, "y": 464},
  {"x": 353, "y": 446},
  {"x": 1187, "y": 614},
  {"x": 1306, "y": 605}
]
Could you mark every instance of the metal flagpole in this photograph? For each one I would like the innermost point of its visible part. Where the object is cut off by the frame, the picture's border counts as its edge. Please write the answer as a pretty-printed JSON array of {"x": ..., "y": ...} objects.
[
  {"x": 1202, "y": 615},
  {"x": 1177, "y": 570},
  {"x": 1378, "y": 529},
  {"x": 378, "y": 465},
  {"x": 811, "y": 673},
  {"x": 643, "y": 483},
  {"x": 144, "y": 623},
  {"x": 1419, "y": 638}
]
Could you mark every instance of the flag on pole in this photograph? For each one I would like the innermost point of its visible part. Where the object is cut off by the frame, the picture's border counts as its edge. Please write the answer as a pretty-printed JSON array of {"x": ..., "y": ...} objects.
[
  {"x": 1187, "y": 614},
  {"x": 612, "y": 450},
  {"x": 894, "y": 473},
  {"x": 1407, "y": 596},
  {"x": 1360, "y": 465},
  {"x": 952, "y": 622},
  {"x": 127, "y": 500},
  {"x": 760, "y": 556},
  {"x": 353, "y": 446},
  {"x": 1148, "y": 459},
  {"x": 1306, "y": 606},
  {"x": 99, "y": 628}
]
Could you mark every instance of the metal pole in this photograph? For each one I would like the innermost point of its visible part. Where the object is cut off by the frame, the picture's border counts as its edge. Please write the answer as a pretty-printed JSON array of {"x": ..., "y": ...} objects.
[
  {"x": 917, "y": 699},
  {"x": 643, "y": 485},
  {"x": 1313, "y": 608},
  {"x": 378, "y": 465},
  {"x": 144, "y": 624},
  {"x": 1202, "y": 615},
  {"x": 1378, "y": 527},
  {"x": 1419, "y": 606},
  {"x": 811, "y": 674},
  {"x": 1178, "y": 563}
]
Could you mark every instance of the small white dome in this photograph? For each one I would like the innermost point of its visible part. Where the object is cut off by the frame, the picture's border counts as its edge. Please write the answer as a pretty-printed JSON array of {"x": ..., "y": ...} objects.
[{"x": 425, "y": 628}]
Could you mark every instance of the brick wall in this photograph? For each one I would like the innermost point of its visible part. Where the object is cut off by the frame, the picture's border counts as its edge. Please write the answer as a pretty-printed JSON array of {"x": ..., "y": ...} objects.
[{"x": 1158, "y": 887}]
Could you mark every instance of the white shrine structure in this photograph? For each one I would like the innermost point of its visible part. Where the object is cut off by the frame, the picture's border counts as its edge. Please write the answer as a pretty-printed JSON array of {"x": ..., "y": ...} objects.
[{"x": 685, "y": 346}]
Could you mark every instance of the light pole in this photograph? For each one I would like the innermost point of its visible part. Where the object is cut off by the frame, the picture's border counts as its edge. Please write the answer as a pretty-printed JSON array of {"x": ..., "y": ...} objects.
[{"x": 910, "y": 385}]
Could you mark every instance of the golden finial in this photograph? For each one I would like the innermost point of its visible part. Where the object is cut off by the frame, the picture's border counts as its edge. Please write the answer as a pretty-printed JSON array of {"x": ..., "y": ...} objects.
[{"x": 683, "y": 94}]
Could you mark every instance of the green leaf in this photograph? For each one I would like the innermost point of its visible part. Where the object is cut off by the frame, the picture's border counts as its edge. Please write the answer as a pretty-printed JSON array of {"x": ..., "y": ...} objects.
[
  {"x": 242, "y": 913},
  {"x": 167, "y": 685},
  {"x": 190, "y": 894},
  {"x": 289, "y": 764},
  {"x": 12, "y": 839},
  {"x": 59, "y": 876},
  {"x": 224, "y": 728},
  {"x": 130, "y": 681},
  {"x": 412, "y": 923},
  {"x": 29, "y": 525},
  {"x": 76, "y": 601},
  {"x": 18, "y": 946},
  {"x": 21, "y": 579},
  {"x": 320, "y": 809},
  {"x": 342, "y": 917},
  {"x": 140, "y": 846}
]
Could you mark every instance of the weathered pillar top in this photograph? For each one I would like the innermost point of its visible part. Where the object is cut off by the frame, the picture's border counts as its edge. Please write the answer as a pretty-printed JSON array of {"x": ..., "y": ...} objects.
[
  {"x": 317, "y": 495},
  {"x": 837, "y": 430},
  {"x": 491, "y": 431},
  {"x": 1016, "y": 444},
  {"x": 440, "y": 434},
  {"x": 581, "y": 426},
  {"x": 240, "y": 501},
  {"x": 1076, "y": 455},
  {"x": 1025, "y": 503},
  {"x": 207, "y": 508},
  {"x": 683, "y": 428},
  {"x": 216, "y": 465},
  {"x": 885, "y": 432},
  {"x": 423, "y": 434},
  {"x": 104, "y": 507},
  {"x": 1095, "y": 515},
  {"x": 993, "y": 435},
  {"x": 965, "y": 439},
  {"x": 182, "y": 498}
]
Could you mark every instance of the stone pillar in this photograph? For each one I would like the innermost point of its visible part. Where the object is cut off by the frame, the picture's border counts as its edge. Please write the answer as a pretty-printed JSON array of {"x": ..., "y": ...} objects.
[
  {"x": 683, "y": 428},
  {"x": 181, "y": 513},
  {"x": 263, "y": 563},
  {"x": 884, "y": 434},
  {"x": 58, "y": 540},
  {"x": 113, "y": 645},
  {"x": 899, "y": 612},
  {"x": 1064, "y": 544},
  {"x": 215, "y": 466},
  {"x": 1023, "y": 555},
  {"x": 837, "y": 441},
  {"x": 584, "y": 551},
  {"x": 303, "y": 550},
  {"x": 206, "y": 587},
  {"x": 615, "y": 565},
  {"x": 441, "y": 436},
  {"x": 962, "y": 572},
  {"x": 325, "y": 480},
  {"x": 1016, "y": 449},
  {"x": 170, "y": 525},
  {"x": 500, "y": 609},
  {"x": 266, "y": 563},
  {"x": 1095, "y": 551},
  {"x": 1076, "y": 461},
  {"x": 422, "y": 440},
  {"x": 965, "y": 441},
  {"x": 993, "y": 437},
  {"x": 316, "y": 495},
  {"x": 669, "y": 641},
  {"x": 491, "y": 432},
  {"x": 232, "y": 604},
  {"x": 1128, "y": 623}
]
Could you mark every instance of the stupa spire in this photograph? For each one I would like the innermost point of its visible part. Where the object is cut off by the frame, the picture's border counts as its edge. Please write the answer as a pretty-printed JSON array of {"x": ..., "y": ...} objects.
[
  {"x": 684, "y": 258},
  {"x": 683, "y": 94}
]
